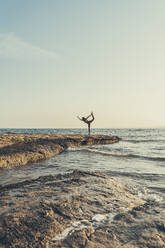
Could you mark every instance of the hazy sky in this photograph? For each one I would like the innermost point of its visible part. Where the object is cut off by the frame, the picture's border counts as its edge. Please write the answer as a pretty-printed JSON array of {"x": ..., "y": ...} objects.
[{"x": 63, "y": 58}]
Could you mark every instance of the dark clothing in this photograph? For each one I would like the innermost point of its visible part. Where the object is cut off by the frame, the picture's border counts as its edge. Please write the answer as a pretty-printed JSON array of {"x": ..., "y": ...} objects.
[{"x": 88, "y": 121}]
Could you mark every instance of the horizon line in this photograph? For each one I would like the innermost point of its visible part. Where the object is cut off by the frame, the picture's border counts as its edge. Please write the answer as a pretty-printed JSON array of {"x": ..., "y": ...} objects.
[{"x": 82, "y": 128}]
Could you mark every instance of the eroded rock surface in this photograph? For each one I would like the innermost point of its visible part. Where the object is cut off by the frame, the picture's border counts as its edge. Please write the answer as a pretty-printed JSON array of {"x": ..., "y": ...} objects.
[
  {"x": 21, "y": 149},
  {"x": 78, "y": 209}
]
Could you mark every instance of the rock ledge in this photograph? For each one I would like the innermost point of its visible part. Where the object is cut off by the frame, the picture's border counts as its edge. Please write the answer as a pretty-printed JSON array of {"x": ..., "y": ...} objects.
[{"x": 21, "y": 149}]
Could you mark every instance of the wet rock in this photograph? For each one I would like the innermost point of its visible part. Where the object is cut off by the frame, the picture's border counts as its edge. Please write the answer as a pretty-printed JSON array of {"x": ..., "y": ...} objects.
[
  {"x": 78, "y": 209},
  {"x": 21, "y": 149}
]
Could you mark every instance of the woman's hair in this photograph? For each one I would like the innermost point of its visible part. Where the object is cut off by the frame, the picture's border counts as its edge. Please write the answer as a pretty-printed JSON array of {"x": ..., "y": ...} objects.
[{"x": 83, "y": 118}]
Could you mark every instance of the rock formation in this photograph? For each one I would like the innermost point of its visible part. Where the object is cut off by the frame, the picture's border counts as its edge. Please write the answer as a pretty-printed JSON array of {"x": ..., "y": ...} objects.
[
  {"x": 78, "y": 209},
  {"x": 21, "y": 149}
]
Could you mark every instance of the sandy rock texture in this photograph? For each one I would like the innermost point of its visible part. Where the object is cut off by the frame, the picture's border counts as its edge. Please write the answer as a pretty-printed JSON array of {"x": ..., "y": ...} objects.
[
  {"x": 21, "y": 149},
  {"x": 78, "y": 209}
]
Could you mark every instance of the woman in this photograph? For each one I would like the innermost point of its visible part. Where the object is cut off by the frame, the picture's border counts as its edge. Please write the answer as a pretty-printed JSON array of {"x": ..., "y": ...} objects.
[{"x": 85, "y": 119}]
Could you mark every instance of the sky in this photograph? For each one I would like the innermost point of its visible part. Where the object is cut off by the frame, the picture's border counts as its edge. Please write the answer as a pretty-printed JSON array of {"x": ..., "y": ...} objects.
[{"x": 63, "y": 58}]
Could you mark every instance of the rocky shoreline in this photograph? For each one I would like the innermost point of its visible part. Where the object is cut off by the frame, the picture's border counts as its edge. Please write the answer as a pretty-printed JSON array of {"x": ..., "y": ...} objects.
[
  {"x": 21, "y": 149},
  {"x": 72, "y": 210}
]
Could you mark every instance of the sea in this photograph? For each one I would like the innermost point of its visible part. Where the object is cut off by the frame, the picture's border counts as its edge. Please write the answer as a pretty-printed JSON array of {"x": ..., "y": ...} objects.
[{"x": 137, "y": 160}]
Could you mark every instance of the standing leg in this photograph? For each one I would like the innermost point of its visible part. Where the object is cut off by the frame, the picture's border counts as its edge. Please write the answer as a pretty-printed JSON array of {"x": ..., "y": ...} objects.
[{"x": 89, "y": 128}]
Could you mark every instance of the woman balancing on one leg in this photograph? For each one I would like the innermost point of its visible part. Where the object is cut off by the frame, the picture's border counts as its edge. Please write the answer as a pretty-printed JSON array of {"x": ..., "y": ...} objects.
[{"x": 85, "y": 119}]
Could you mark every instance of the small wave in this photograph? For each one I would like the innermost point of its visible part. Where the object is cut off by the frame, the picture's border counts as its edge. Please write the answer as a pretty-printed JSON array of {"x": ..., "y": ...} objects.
[
  {"x": 143, "y": 141},
  {"x": 123, "y": 155},
  {"x": 106, "y": 153},
  {"x": 149, "y": 158},
  {"x": 159, "y": 189}
]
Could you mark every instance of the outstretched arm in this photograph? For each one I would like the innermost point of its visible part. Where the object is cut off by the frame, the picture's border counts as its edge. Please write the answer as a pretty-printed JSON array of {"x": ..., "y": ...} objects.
[{"x": 79, "y": 118}]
